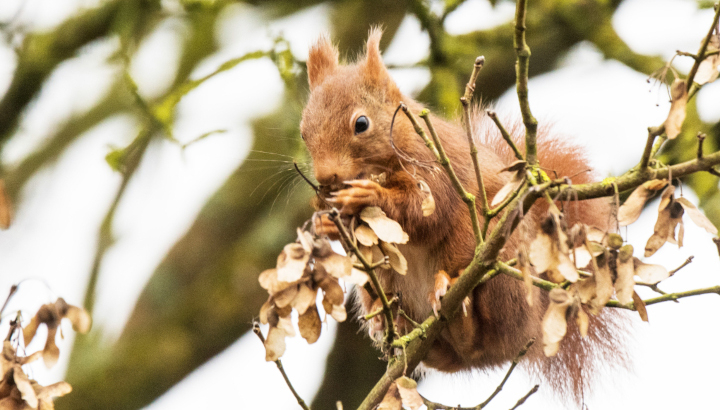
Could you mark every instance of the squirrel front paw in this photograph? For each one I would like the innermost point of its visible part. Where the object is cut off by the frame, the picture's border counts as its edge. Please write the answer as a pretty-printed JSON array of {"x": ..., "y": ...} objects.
[
  {"x": 326, "y": 227},
  {"x": 362, "y": 193}
]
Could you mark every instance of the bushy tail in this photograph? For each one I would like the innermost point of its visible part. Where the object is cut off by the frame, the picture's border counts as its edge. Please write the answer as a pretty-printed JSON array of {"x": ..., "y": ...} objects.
[{"x": 572, "y": 371}]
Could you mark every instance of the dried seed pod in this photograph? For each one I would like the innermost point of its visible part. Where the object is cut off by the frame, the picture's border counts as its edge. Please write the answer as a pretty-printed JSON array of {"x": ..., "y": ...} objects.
[
  {"x": 676, "y": 116},
  {"x": 554, "y": 324},
  {"x": 385, "y": 228}
]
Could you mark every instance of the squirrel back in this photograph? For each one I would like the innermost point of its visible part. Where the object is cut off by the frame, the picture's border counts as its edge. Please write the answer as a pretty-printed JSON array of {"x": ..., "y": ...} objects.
[{"x": 346, "y": 126}]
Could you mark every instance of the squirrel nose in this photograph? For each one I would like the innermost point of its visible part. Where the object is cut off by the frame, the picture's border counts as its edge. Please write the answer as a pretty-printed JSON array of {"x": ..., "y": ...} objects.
[{"x": 326, "y": 176}]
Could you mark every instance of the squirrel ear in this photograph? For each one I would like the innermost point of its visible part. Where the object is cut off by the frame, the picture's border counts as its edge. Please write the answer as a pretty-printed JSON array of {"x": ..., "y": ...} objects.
[
  {"x": 375, "y": 72},
  {"x": 322, "y": 61}
]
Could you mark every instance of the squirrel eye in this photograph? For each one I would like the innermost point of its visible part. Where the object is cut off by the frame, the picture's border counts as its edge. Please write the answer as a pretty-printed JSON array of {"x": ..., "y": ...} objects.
[
  {"x": 361, "y": 124},
  {"x": 302, "y": 136}
]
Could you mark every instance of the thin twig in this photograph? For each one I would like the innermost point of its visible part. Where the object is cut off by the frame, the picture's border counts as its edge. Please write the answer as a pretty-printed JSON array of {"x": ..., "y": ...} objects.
[
  {"x": 372, "y": 314},
  {"x": 505, "y": 134},
  {"x": 515, "y": 273},
  {"x": 703, "y": 48},
  {"x": 687, "y": 262},
  {"x": 13, "y": 289},
  {"x": 301, "y": 402},
  {"x": 297, "y": 169},
  {"x": 494, "y": 212},
  {"x": 467, "y": 197},
  {"x": 379, "y": 311},
  {"x": 420, "y": 131},
  {"x": 130, "y": 161},
  {"x": 647, "y": 153},
  {"x": 438, "y": 406},
  {"x": 431, "y": 405},
  {"x": 670, "y": 297},
  {"x": 334, "y": 215},
  {"x": 522, "y": 72},
  {"x": 466, "y": 100},
  {"x": 437, "y": 149},
  {"x": 660, "y": 291},
  {"x": 653, "y": 132},
  {"x": 507, "y": 375},
  {"x": 408, "y": 318},
  {"x": 470, "y": 86},
  {"x": 717, "y": 243},
  {"x": 662, "y": 138},
  {"x": 522, "y": 400},
  {"x": 546, "y": 285},
  {"x": 701, "y": 138},
  {"x": 686, "y": 54},
  {"x": 419, "y": 332},
  {"x": 635, "y": 178},
  {"x": 384, "y": 261}
]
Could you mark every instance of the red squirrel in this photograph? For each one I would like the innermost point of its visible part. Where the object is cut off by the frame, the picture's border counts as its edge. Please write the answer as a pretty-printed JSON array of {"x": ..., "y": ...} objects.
[{"x": 346, "y": 126}]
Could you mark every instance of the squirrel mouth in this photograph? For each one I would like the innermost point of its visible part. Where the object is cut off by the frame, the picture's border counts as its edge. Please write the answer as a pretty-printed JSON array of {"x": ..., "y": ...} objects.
[{"x": 325, "y": 190}]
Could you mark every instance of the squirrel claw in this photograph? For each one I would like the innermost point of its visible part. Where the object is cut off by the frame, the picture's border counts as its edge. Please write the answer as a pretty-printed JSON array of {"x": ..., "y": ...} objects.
[{"x": 352, "y": 200}]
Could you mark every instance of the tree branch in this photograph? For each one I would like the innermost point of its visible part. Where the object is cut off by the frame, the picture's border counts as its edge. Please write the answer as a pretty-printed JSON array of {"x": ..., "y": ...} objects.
[
  {"x": 634, "y": 178},
  {"x": 545, "y": 285},
  {"x": 115, "y": 102},
  {"x": 476, "y": 273},
  {"x": 525, "y": 397},
  {"x": 334, "y": 215},
  {"x": 41, "y": 53},
  {"x": 466, "y": 100},
  {"x": 507, "y": 375},
  {"x": 133, "y": 156},
  {"x": 437, "y": 149},
  {"x": 522, "y": 72},
  {"x": 437, "y": 406},
  {"x": 506, "y": 135},
  {"x": 301, "y": 402},
  {"x": 703, "y": 48}
]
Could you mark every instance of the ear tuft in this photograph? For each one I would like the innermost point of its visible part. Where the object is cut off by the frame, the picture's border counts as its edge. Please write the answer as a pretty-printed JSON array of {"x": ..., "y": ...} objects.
[
  {"x": 373, "y": 62},
  {"x": 322, "y": 61},
  {"x": 375, "y": 72}
]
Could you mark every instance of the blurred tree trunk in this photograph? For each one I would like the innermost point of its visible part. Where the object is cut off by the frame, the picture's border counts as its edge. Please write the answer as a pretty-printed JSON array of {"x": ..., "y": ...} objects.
[
  {"x": 353, "y": 367},
  {"x": 203, "y": 295},
  {"x": 41, "y": 53},
  {"x": 352, "y": 20}
]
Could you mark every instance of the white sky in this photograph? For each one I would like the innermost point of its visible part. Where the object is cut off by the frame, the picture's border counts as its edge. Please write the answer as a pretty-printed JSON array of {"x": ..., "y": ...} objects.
[{"x": 600, "y": 103}]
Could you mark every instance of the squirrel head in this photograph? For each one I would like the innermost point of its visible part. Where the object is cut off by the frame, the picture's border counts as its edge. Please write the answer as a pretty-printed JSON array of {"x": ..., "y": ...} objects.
[{"x": 346, "y": 121}]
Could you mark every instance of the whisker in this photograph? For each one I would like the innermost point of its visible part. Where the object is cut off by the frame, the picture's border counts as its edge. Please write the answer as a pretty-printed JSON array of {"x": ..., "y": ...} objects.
[
  {"x": 249, "y": 168},
  {"x": 292, "y": 191},
  {"x": 294, "y": 139},
  {"x": 281, "y": 181},
  {"x": 267, "y": 178},
  {"x": 271, "y": 153},
  {"x": 284, "y": 161},
  {"x": 280, "y": 190}
]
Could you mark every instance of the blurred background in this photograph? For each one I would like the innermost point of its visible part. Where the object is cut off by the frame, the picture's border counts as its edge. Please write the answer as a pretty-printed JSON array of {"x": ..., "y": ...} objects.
[{"x": 147, "y": 147}]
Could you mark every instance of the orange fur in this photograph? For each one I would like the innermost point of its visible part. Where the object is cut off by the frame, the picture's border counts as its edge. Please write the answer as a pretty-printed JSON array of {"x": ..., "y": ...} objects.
[{"x": 500, "y": 321}]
